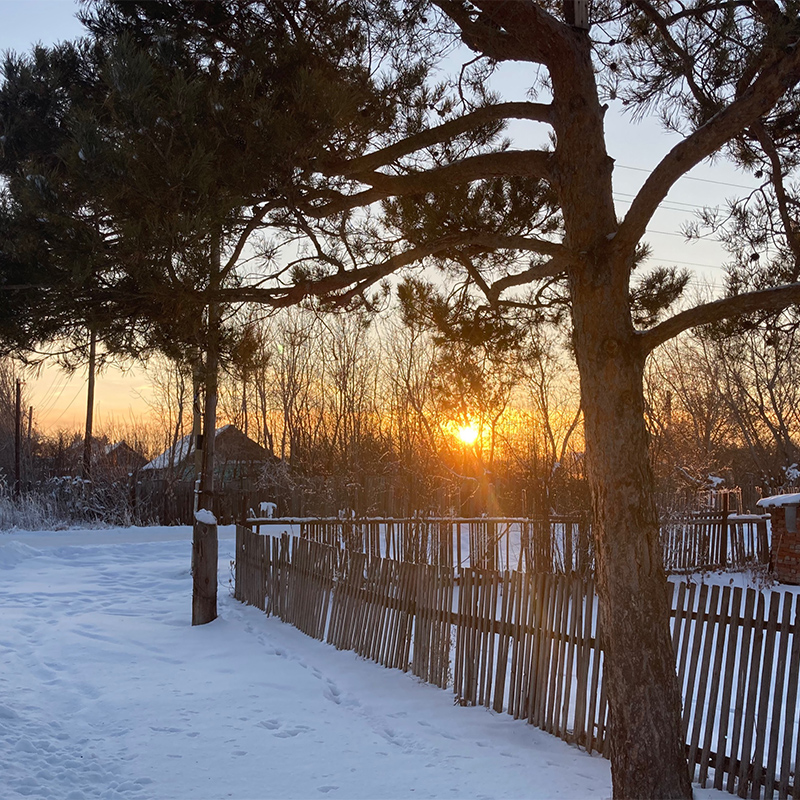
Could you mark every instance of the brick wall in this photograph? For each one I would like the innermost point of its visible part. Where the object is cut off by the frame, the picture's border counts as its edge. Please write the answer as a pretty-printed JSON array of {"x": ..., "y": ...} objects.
[{"x": 785, "y": 548}]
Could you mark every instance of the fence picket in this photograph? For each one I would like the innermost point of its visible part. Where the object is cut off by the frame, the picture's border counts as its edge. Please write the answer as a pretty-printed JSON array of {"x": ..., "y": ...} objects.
[
  {"x": 716, "y": 681},
  {"x": 741, "y": 687},
  {"x": 760, "y": 723}
]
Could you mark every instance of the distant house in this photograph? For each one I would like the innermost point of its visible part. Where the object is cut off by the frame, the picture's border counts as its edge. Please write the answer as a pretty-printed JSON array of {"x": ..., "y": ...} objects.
[
  {"x": 237, "y": 458},
  {"x": 119, "y": 458},
  {"x": 110, "y": 461}
]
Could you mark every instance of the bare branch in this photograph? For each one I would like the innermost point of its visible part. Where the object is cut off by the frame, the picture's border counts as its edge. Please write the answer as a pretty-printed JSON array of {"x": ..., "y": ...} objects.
[
  {"x": 255, "y": 220},
  {"x": 499, "y": 241},
  {"x": 774, "y": 299}
]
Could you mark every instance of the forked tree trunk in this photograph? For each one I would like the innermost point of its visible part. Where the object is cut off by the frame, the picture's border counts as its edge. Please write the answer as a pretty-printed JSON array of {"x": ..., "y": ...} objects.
[{"x": 647, "y": 751}]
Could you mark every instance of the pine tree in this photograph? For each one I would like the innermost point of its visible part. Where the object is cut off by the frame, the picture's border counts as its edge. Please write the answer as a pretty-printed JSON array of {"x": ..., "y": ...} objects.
[{"x": 191, "y": 129}]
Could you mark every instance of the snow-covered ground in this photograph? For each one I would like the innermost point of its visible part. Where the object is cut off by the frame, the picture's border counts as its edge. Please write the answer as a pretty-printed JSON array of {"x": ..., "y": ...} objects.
[{"x": 106, "y": 691}]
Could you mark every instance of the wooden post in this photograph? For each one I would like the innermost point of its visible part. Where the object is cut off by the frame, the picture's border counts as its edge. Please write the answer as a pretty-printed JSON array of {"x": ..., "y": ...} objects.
[{"x": 723, "y": 543}]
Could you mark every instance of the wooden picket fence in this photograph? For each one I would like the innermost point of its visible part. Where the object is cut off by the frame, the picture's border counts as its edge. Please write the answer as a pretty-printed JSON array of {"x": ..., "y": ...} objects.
[
  {"x": 557, "y": 544},
  {"x": 529, "y": 644},
  {"x": 693, "y": 542}
]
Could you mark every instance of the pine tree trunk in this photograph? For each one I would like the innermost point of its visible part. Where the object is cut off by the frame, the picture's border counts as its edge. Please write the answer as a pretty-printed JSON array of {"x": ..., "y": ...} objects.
[
  {"x": 205, "y": 545},
  {"x": 197, "y": 423},
  {"x": 647, "y": 749}
]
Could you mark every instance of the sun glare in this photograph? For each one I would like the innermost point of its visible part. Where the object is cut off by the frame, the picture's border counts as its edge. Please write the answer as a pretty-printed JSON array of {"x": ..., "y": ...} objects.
[{"x": 468, "y": 433}]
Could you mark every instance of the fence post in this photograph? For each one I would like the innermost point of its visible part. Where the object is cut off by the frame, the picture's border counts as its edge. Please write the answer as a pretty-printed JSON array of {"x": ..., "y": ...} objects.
[
  {"x": 584, "y": 565},
  {"x": 723, "y": 544}
]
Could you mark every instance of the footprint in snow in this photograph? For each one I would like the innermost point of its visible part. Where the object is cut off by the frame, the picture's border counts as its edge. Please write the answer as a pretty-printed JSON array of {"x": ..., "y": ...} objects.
[
  {"x": 269, "y": 724},
  {"x": 289, "y": 733},
  {"x": 332, "y": 692},
  {"x": 326, "y": 789}
]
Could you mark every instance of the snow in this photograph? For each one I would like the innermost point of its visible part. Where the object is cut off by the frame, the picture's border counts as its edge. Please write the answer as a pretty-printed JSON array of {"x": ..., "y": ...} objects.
[
  {"x": 107, "y": 691},
  {"x": 779, "y": 500},
  {"x": 181, "y": 450},
  {"x": 792, "y": 473},
  {"x": 267, "y": 509},
  {"x": 205, "y": 517}
]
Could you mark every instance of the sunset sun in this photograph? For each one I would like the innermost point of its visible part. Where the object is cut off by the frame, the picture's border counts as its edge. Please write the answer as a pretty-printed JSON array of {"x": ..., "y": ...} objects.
[{"x": 468, "y": 433}]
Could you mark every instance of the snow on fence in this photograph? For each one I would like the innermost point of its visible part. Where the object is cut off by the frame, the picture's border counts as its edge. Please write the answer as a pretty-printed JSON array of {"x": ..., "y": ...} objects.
[
  {"x": 557, "y": 544},
  {"x": 529, "y": 644}
]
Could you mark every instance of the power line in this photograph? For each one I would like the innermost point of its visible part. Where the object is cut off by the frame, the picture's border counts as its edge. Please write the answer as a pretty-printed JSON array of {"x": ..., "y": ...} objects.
[
  {"x": 692, "y": 178},
  {"x": 672, "y": 233},
  {"x": 620, "y": 198},
  {"x": 686, "y": 263},
  {"x": 67, "y": 407}
]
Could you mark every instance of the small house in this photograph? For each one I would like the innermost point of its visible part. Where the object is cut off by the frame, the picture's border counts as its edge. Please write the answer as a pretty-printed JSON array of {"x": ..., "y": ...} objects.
[{"x": 237, "y": 459}]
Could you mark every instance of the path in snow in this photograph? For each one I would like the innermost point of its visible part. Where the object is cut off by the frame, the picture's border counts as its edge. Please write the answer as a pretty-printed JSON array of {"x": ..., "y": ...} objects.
[{"x": 106, "y": 691}]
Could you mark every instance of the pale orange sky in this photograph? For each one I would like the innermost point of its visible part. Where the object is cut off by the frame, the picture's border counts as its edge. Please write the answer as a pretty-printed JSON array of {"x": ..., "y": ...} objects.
[{"x": 59, "y": 398}]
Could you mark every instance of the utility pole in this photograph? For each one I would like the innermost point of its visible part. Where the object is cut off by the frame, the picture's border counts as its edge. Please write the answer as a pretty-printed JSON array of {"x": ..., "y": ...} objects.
[
  {"x": 18, "y": 442},
  {"x": 87, "y": 439}
]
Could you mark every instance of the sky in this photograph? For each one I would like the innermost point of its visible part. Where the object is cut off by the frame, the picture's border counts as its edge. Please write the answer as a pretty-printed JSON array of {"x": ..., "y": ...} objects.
[{"x": 59, "y": 399}]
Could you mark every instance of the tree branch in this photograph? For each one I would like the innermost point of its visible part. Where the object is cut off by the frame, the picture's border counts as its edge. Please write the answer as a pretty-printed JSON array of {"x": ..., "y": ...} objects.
[
  {"x": 774, "y": 299},
  {"x": 511, "y": 30},
  {"x": 776, "y": 177},
  {"x": 519, "y": 163},
  {"x": 283, "y": 296},
  {"x": 481, "y": 36},
  {"x": 538, "y": 112},
  {"x": 755, "y": 101},
  {"x": 550, "y": 269},
  {"x": 510, "y": 163},
  {"x": 663, "y": 27}
]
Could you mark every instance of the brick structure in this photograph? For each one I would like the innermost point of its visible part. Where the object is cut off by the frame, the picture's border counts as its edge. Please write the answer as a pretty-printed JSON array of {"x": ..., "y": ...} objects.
[{"x": 785, "y": 548}]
